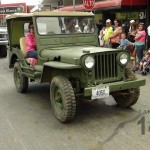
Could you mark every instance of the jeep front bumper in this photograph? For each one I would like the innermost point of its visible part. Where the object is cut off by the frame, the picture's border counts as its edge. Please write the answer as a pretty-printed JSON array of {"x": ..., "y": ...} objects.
[
  {"x": 117, "y": 86},
  {"x": 3, "y": 42}
]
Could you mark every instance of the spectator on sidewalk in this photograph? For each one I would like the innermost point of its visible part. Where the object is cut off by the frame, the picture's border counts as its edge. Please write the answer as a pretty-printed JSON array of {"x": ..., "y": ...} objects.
[
  {"x": 85, "y": 27},
  {"x": 108, "y": 33},
  {"x": 77, "y": 29},
  {"x": 124, "y": 41},
  {"x": 148, "y": 38},
  {"x": 131, "y": 22},
  {"x": 133, "y": 32},
  {"x": 140, "y": 38},
  {"x": 148, "y": 30},
  {"x": 116, "y": 36},
  {"x": 101, "y": 37},
  {"x": 127, "y": 45}
]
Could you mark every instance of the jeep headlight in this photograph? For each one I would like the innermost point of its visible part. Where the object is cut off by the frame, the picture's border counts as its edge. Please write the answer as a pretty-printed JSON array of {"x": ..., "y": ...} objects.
[
  {"x": 89, "y": 62},
  {"x": 123, "y": 58}
]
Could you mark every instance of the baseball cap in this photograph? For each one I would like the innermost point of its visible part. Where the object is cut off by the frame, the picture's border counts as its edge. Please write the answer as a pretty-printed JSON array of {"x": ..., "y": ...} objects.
[
  {"x": 131, "y": 21},
  {"x": 108, "y": 20},
  {"x": 76, "y": 26}
]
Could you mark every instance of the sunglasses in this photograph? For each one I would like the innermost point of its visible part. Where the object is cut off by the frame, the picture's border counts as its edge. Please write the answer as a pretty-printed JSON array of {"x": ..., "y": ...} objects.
[{"x": 31, "y": 27}]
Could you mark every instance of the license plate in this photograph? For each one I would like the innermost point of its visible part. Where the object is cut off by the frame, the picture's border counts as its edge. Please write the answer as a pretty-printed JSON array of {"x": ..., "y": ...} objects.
[{"x": 100, "y": 92}]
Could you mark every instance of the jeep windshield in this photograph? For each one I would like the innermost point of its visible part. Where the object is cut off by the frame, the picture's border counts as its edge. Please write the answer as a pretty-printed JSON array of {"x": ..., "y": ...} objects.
[{"x": 65, "y": 25}]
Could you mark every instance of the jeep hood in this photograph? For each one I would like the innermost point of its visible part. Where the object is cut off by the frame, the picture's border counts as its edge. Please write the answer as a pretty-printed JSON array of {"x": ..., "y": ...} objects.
[{"x": 72, "y": 54}]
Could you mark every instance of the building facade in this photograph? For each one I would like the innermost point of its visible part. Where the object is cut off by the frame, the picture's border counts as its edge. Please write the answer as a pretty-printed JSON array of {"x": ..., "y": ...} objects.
[
  {"x": 7, "y": 9},
  {"x": 125, "y": 10},
  {"x": 121, "y": 9}
]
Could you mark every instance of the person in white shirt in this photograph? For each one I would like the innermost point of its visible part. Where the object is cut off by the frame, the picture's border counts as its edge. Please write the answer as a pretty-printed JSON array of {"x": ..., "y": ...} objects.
[
  {"x": 86, "y": 27},
  {"x": 148, "y": 37},
  {"x": 148, "y": 30},
  {"x": 101, "y": 37},
  {"x": 131, "y": 22}
]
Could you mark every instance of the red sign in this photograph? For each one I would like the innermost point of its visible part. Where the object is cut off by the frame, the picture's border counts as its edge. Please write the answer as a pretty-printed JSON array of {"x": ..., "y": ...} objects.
[
  {"x": 6, "y": 9},
  {"x": 88, "y": 4}
]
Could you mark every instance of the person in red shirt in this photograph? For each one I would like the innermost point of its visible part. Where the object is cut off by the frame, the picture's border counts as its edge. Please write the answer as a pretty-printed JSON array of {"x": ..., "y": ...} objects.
[{"x": 31, "y": 42}]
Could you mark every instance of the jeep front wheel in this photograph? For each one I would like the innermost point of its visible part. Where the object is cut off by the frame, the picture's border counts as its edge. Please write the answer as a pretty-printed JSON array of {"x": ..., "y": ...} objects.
[
  {"x": 62, "y": 99},
  {"x": 20, "y": 80},
  {"x": 126, "y": 98}
]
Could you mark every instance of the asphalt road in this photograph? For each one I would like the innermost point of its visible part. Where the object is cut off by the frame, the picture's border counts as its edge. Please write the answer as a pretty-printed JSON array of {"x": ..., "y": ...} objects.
[{"x": 27, "y": 121}]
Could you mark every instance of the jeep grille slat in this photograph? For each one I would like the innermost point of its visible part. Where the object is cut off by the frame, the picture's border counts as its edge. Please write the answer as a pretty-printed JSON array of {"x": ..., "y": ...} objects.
[{"x": 105, "y": 66}]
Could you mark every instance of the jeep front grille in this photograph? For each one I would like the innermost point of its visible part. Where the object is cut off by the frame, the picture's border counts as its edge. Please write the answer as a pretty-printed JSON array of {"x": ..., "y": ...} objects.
[
  {"x": 3, "y": 37},
  {"x": 106, "y": 66}
]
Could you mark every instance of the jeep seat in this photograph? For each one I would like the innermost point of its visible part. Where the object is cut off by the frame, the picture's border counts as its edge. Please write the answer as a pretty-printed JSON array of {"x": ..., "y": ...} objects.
[
  {"x": 31, "y": 61},
  {"x": 23, "y": 46}
]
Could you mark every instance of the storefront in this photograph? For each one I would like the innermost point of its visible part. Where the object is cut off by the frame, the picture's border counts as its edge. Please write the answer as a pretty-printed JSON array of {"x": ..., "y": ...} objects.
[
  {"x": 6, "y": 9},
  {"x": 125, "y": 10}
]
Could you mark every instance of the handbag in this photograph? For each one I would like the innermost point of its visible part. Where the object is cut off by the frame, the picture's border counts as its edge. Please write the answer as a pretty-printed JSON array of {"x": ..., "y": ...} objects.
[
  {"x": 112, "y": 40},
  {"x": 116, "y": 39},
  {"x": 130, "y": 47}
]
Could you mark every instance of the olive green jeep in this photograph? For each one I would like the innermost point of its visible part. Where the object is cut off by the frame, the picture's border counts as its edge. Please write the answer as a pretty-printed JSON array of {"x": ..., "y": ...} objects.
[{"x": 70, "y": 59}]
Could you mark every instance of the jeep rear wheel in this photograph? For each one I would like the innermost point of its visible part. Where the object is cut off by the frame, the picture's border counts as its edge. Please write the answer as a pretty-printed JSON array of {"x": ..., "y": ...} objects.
[
  {"x": 3, "y": 50},
  {"x": 20, "y": 80},
  {"x": 62, "y": 99},
  {"x": 126, "y": 98}
]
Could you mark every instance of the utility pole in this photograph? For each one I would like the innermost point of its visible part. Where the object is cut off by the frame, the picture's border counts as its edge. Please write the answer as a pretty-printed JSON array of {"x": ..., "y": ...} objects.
[
  {"x": 148, "y": 22},
  {"x": 148, "y": 15},
  {"x": 74, "y": 4}
]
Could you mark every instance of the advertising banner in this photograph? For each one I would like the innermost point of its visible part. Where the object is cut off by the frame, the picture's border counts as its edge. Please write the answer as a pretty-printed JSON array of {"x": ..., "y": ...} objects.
[{"x": 6, "y": 9}]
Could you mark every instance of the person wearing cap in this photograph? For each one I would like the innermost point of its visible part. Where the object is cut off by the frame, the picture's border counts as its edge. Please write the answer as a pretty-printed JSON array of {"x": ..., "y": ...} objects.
[
  {"x": 131, "y": 22},
  {"x": 133, "y": 32},
  {"x": 77, "y": 28},
  {"x": 31, "y": 42},
  {"x": 108, "y": 33}
]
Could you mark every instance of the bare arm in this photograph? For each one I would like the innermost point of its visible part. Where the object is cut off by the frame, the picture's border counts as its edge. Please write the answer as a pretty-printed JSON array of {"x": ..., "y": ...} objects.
[
  {"x": 101, "y": 33},
  {"x": 116, "y": 32},
  {"x": 137, "y": 36}
]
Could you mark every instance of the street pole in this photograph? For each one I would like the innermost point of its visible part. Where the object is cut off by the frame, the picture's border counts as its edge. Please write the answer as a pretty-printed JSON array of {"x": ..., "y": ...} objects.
[
  {"x": 148, "y": 15},
  {"x": 74, "y": 4},
  {"x": 148, "y": 22}
]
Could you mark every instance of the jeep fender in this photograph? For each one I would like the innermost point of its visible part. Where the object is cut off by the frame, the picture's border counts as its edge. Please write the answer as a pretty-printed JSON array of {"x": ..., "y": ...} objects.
[{"x": 52, "y": 68}]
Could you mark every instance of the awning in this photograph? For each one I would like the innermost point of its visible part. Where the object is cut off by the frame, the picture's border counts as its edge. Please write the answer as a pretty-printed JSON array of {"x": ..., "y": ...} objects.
[
  {"x": 134, "y": 2},
  {"x": 107, "y": 4}
]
